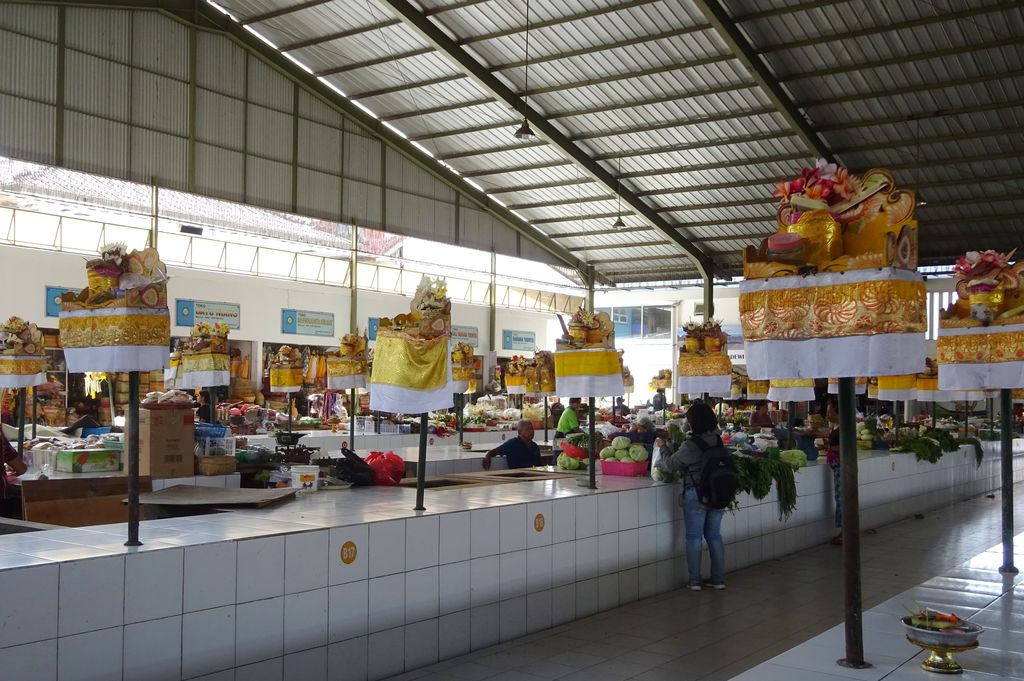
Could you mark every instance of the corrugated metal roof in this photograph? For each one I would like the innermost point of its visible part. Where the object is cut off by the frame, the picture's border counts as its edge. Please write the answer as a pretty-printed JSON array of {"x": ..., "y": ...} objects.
[{"x": 650, "y": 90}]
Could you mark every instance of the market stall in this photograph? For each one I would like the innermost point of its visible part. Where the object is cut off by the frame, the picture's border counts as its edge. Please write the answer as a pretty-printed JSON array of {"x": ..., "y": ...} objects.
[{"x": 22, "y": 366}]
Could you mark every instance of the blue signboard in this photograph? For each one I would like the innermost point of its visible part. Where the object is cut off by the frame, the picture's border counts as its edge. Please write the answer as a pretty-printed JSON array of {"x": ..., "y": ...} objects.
[
  {"x": 371, "y": 328},
  {"x": 191, "y": 312},
  {"x": 53, "y": 294},
  {"x": 518, "y": 340},
  {"x": 470, "y": 335},
  {"x": 306, "y": 323}
]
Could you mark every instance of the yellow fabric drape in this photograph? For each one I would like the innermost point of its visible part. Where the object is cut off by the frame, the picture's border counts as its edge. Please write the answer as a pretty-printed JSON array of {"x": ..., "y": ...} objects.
[
  {"x": 586, "y": 363},
  {"x": 419, "y": 365}
]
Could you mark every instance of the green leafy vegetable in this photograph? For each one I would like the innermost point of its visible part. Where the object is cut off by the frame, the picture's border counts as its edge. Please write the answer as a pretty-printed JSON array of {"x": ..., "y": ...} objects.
[{"x": 621, "y": 442}]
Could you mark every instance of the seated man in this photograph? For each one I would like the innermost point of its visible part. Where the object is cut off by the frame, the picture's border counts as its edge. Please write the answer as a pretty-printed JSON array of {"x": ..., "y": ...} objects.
[{"x": 519, "y": 452}]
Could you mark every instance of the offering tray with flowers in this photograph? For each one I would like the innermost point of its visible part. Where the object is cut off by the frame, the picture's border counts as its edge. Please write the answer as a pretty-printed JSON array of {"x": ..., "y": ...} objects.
[
  {"x": 463, "y": 367},
  {"x": 411, "y": 368},
  {"x": 22, "y": 358},
  {"x": 286, "y": 370},
  {"x": 586, "y": 362},
  {"x": 204, "y": 359},
  {"x": 835, "y": 291},
  {"x": 515, "y": 375},
  {"x": 346, "y": 366},
  {"x": 120, "y": 321},
  {"x": 943, "y": 634},
  {"x": 981, "y": 334},
  {"x": 704, "y": 365}
]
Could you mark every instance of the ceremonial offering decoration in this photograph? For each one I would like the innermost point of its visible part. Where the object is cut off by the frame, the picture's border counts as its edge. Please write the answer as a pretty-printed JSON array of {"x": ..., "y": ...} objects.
[
  {"x": 286, "y": 370},
  {"x": 411, "y": 368},
  {"x": 119, "y": 322},
  {"x": 586, "y": 363},
  {"x": 627, "y": 377},
  {"x": 835, "y": 291},
  {"x": 346, "y": 366},
  {"x": 22, "y": 359},
  {"x": 540, "y": 374},
  {"x": 463, "y": 368},
  {"x": 663, "y": 379},
  {"x": 981, "y": 334},
  {"x": 872, "y": 388},
  {"x": 791, "y": 390},
  {"x": 894, "y": 388},
  {"x": 204, "y": 358},
  {"x": 943, "y": 635},
  {"x": 515, "y": 375},
  {"x": 704, "y": 366},
  {"x": 861, "y": 385},
  {"x": 757, "y": 390}
]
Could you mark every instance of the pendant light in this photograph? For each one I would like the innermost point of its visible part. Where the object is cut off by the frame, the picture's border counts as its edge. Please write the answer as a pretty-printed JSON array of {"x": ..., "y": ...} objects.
[
  {"x": 618, "y": 224},
  {"x": 525, "y": 132}
]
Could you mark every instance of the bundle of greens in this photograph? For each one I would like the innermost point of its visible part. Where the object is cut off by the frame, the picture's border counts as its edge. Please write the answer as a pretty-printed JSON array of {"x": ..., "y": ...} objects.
[
  {"x": 582, "y": 440},
  {"x": 756, "y": 475},
  {"x": 976, "y": 443}
]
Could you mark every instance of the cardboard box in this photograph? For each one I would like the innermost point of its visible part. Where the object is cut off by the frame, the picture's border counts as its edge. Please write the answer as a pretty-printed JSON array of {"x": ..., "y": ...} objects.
[
  {"x": 167, "y": 443},
  {"x": 88, "y": 461}
]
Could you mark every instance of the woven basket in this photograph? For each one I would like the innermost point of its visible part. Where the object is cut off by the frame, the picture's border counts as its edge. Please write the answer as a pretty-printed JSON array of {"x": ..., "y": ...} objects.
[{"x": 215, "y": 465}]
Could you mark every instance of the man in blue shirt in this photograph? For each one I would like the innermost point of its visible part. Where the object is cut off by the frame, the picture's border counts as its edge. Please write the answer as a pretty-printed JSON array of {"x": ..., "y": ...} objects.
[{"x": 519, "y": 452}]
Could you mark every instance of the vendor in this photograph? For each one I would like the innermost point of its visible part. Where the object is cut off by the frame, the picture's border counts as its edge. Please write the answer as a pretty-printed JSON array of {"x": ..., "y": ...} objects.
[
  {"x": 622, "y": 410},
  {"x": 761, "y": 418},
  {"x": 569, "y": 422},
  {"x": 658, "y": 401},
  {"x": 9, "y": 458},
  {"x": 519, "y": 452},
  {"x": 204, "y": 413}
]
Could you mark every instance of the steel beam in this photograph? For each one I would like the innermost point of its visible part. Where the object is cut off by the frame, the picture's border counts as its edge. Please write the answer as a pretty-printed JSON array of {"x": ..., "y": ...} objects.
[
  {"x": 693, "y": 146},
  {"x": 355, "y": 66},
  {"x": 718, "y": 204},
  {"x": 908, "y": 89},
  {"x": 630, "y": 75},
  {"x": 443, "y": 108},
  {"x": 925, "y": 20},
  {"x": 440, "y": 80},
  {"x": 595, "y": 232},
  {"x": 580, "y": 218},
  {"x": 492, "y": 85},
  {"x": 903, "y": 59},
  {"x": 609, "y": 247},
  {"x": 911, "y": 118},
  {"x": 567, "y": 201},
  {"x": 737, "y": 43},
  {"x": 273, "y": 14},
  {"x": 700, "y": 167},
  {"x": 736, "y": 114},
  {"x": 338, "y": 35},
  {"x": 554, "y": 184}
]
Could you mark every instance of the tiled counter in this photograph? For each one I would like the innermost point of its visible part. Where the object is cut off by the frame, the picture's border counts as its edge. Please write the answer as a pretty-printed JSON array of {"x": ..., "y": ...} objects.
[{"x": 354, "y": 585}]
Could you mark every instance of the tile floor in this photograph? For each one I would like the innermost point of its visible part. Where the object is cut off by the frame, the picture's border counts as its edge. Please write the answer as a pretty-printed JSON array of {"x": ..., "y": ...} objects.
[{"x": 781, "y": 619}]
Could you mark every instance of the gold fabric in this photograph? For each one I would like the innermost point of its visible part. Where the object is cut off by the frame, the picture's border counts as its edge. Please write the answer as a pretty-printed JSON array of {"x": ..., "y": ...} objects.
[
  {"x": 514, "y": 381},
  {"x": 858, "y": 309},
  {"x": 204, "y": 361},
  {"x": 757, "y": 387},
  {"x": 285, "y": 377},
  {"x": 586, "y": 363},
  {"x": 791, "y": 383},
  {"x": 22, "y": 366},
  {"x": 462, "y": 373},
  {"x": 338, "y": 367},
  {"x": 927, "y": 383},
  {"x": 101, "y": 283},
  {"x": 982, "y": 348},
  {"x": 547, "y": 382},
  {"x": 906, "y": 382},
  {"x": 115, "y": 330},
  {"x": 704, "y": 365},
  {"x": 822, "y": 235},
  {"x": 407, "y": 362}
]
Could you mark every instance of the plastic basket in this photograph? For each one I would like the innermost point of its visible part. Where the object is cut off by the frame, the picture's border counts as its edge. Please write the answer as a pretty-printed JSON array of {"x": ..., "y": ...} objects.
[
  {"x": 86, "y": 432},
  {"x": 629, "y": 469},
  {"x": 364, "y": 424},
  {"x": 390, "y": 429},
  {"x": 405, "y": 429},
  {"x": 216, "y": 465},
  {"x": 206, "y": 431}
]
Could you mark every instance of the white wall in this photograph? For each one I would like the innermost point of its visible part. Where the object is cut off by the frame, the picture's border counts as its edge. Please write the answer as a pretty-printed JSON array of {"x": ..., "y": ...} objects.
[{"x": 26, "y": 273}]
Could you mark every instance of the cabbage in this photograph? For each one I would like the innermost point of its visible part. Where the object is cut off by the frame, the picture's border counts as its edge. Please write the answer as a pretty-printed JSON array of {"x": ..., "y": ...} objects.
[
  {"x": 796, "y": 458},
  {"x": 659, "y": 474},
  {"x": 638, "y": 452},
  {"x": 567, "y": 462},
  {"x": 622, "y": 455},
  {"x": 621, "y": 442},
  {"x": 608, "y": 453}
]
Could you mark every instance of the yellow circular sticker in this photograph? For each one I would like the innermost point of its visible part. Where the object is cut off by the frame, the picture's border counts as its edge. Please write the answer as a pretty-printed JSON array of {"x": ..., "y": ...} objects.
[
  {"x": 538, "y": 522},
  {"x": 348, "y": 552}
]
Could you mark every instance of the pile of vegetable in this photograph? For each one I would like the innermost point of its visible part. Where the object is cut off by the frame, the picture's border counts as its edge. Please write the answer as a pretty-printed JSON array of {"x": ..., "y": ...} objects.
[
  {"x": 796, "y": 458},
  {"x": 622, "y": 449},
  {"x": 582, "y": 440},
  {"x": 756, "y": 475},
  {"x": 931, "y": 444},
  {"x": 570, "y": 463},
  {"x": 867, "y": 433}
]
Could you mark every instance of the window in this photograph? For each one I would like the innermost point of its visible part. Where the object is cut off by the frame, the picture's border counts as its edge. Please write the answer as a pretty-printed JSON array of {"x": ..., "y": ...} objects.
[{"x": 657, "y": 322}]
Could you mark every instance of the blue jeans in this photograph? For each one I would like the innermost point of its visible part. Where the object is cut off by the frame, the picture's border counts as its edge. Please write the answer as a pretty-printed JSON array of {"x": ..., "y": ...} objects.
[{"x": 703, "y": 523}]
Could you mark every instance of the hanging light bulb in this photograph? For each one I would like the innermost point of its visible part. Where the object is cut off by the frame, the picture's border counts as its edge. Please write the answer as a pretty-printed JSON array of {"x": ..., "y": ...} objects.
[
  {"x": 618, "y": 185},
  {"x": 525, "y": 132},
  {"x": 618, "y": 222}
]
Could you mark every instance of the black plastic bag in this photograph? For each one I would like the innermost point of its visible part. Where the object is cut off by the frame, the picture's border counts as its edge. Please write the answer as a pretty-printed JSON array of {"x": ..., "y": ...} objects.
[{"x": 351, "y": 468}]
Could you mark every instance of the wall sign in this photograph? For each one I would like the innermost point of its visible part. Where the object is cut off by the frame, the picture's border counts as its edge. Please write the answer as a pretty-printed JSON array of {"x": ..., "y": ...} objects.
[
  {"x": 737, "y": 353},
  {"x": 53, "y": 294},
  {"x": 190, "y": 312},
  {"x": 372, "y": 326},
  {"x": 470, "y": 335},
  {"x": 518, "y": 340},
  {"x": 306, "y": 323}
]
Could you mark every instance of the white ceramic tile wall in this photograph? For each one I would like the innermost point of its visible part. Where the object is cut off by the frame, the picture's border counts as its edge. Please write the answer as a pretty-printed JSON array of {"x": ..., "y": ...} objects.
[{"x": 289, "y": 606}]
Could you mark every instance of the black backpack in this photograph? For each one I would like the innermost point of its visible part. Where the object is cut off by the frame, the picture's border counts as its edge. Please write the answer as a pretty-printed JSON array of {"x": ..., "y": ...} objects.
[{"x": 718, "y": 482}]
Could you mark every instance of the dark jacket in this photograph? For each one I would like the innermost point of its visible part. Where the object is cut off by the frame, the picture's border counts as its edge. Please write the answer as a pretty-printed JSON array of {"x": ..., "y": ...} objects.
[{"x": 688, "y": 460}]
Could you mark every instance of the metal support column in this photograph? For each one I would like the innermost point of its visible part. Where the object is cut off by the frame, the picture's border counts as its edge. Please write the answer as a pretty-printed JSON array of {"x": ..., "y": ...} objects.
[
  {"x": 851, "y": 526},
  {"x": 421, "y": 466},
  {"x": 460, "y": 401},
  {"x": 492, "y": 316},
  {"x": 35, "y": 416},
  {"x": 22, "y": 396},
  {"x": 133, "y": 459},
  {"x": 790, "y": 418},
  {"x": 1006, "y": 484},
  {"x": 592, "y": 445},
  {"x": 353, "y": 325}
]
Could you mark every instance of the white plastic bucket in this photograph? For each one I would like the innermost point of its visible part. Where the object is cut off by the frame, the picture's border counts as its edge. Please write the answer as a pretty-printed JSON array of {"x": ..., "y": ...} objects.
[{"x": 305, "y": 477}]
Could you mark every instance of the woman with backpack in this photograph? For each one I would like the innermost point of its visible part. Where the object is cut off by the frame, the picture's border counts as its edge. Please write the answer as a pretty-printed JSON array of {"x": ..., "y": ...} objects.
[{"x": 709, "y": 485}]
